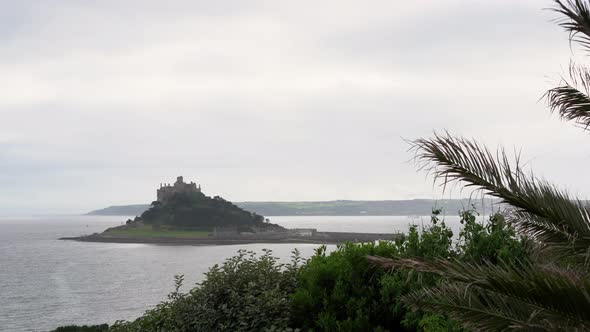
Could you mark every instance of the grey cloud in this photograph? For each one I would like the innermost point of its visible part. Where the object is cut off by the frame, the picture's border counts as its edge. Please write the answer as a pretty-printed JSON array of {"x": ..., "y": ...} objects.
[{"x": 101, "y": 101}]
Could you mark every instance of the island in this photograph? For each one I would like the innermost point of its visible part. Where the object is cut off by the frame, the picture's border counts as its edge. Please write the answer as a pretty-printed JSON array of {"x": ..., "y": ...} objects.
[{"x": 183, "y": 215}]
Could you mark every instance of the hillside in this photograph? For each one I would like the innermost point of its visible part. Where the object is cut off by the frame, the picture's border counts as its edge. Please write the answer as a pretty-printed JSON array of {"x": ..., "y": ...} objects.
[
  {"x": 334, "y": 208},
  {"x": 196, "y": 210}
]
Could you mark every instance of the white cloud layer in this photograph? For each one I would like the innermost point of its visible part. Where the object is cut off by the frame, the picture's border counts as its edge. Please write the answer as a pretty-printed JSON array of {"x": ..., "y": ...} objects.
[{"x": 100, "y": 101}]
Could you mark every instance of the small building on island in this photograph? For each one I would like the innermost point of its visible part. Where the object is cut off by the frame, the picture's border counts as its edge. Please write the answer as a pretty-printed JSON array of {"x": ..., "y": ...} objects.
[
  {"x": 304, "y": 231},
  {"x": 166, "y": 191}
]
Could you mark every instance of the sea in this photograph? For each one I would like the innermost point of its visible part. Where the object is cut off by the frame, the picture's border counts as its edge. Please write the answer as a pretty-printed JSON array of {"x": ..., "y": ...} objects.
[{"x": 46, "y": 282}]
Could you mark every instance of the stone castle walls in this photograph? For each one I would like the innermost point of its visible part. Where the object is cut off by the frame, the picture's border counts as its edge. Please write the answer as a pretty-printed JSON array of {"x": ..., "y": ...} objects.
[{"x": 166, "y": 191}]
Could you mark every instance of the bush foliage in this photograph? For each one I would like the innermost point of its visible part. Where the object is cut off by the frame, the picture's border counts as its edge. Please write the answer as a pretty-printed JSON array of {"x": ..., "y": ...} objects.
[
  {"x": 336, "y": 291},
  {"x": 246, "y": 293},
  {"x": 342, "y": 291}
]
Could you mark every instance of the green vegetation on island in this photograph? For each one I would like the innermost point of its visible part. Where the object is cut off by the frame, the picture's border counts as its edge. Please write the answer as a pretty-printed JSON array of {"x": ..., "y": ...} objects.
[
  {"x": 148, "y": 231},
  {"x": 189, "y": 215},
  {"x": 196, "y": 210}
]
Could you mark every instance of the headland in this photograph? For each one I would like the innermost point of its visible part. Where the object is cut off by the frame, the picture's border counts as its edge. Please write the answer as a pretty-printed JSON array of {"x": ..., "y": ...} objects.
[
  {"x": 184, "y": 215},
  {"x": 289, "y": 237}
]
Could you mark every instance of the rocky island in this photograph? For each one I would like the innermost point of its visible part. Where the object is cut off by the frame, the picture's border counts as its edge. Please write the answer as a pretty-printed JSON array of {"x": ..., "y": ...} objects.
[{"x": 183, "y": 214}]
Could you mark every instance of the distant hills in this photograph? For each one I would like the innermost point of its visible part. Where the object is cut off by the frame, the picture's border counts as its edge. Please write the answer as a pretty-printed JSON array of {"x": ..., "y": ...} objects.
[
  {"x": 121, "y": 210},
  {"x": 333, "y": 208}
]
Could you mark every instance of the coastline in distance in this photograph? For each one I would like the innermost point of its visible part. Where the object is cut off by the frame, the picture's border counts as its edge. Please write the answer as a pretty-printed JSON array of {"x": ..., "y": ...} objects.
[{"x": 336, "y": 208}]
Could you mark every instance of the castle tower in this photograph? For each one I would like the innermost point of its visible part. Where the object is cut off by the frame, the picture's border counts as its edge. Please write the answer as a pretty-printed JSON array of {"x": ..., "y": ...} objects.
[{"x": 179, "y": 187}]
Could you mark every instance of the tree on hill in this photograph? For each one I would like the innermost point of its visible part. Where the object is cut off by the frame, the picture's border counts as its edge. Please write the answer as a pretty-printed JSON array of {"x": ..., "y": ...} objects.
[
  {"x": 548, "y": 292},
  {"x": 196, "y": 210}
]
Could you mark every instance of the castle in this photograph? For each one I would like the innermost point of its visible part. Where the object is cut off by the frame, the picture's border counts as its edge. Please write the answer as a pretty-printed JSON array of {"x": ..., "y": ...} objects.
[{"x": 179, "y": 187}]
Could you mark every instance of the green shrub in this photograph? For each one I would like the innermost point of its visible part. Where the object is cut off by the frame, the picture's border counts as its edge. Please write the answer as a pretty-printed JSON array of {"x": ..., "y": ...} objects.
[
  {"x": 342, "y": 291},
  {"x": 495, "y": 242},
  {"x": 246, "y": 293}
]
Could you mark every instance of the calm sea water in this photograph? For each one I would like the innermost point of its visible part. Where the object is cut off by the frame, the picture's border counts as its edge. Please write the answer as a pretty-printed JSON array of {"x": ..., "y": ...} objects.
[{"x": 45, "y": 282}]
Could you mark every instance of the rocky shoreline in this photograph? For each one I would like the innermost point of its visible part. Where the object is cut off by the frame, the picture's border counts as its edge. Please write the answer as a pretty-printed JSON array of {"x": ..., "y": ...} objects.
[{"x": 317, "y": 238}]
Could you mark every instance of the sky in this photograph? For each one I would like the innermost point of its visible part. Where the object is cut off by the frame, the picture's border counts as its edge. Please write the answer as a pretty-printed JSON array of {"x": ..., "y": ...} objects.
[{"x": 101, "y": 101}]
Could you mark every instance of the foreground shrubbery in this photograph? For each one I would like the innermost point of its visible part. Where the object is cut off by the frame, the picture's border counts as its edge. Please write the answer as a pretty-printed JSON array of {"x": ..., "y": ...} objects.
[
  {"x": 342, "y": 291},
  {"x": 337, "y": 291},
  {"x": 246, "y": 293}
]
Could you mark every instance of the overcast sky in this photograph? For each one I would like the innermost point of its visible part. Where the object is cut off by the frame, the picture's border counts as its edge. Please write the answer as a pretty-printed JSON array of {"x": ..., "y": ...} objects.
[{"x": 100, "y": 101}]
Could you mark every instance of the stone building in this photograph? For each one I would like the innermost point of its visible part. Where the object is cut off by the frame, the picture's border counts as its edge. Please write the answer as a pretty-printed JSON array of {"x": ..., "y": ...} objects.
[
  {"x": 304, "y": 231},
  {"x": 179, "y": 187}
]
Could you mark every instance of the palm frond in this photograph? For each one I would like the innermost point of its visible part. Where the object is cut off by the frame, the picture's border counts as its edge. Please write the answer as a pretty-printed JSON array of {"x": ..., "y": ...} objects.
[
  {"x": 576, "y": 20},
  {"x": 484, "y": 310},
  {"x": 556, "y": 241},
  {"x": 509, "y": 295},
  {"x": 571, "y": 99},
  {"x": 452, "y": 159}
]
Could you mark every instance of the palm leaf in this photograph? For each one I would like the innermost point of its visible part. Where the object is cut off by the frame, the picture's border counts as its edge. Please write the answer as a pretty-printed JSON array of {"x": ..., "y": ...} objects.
[
  {"x": 576, "y": 20},
  {"x": 503, "y": 296},
  {"x": 488, "y": 311},
  {"x": 571, "y": 99},
  {"x": 555, "y": 215},
  {"x": 552, "y": 240}
]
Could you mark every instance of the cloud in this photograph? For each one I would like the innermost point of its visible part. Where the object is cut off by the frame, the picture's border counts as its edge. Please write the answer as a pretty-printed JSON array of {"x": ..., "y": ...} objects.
[{"x": 265, "y": 100}]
